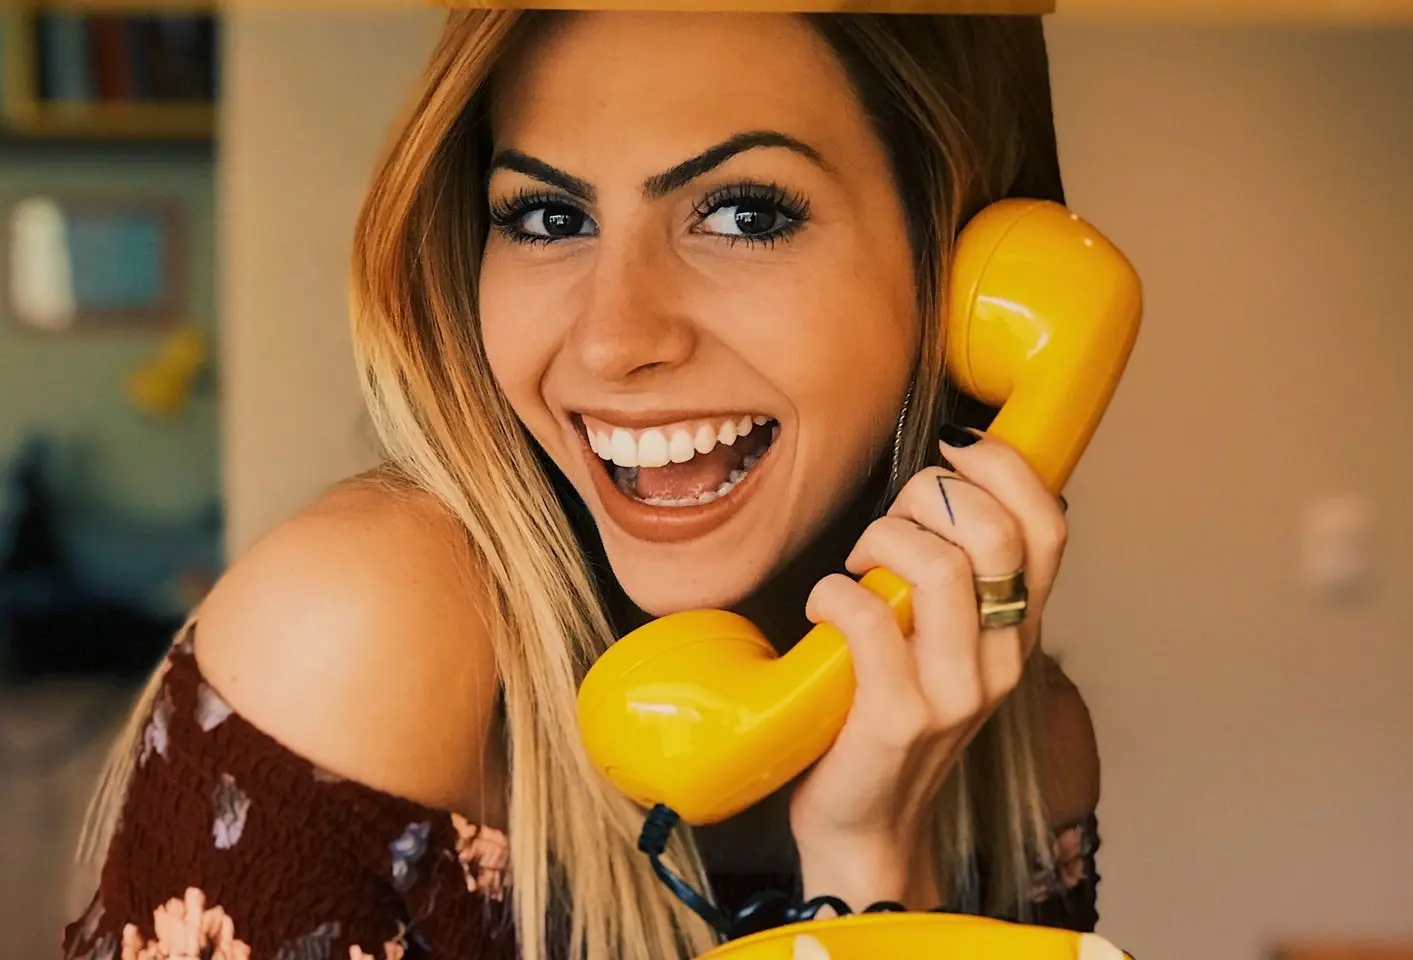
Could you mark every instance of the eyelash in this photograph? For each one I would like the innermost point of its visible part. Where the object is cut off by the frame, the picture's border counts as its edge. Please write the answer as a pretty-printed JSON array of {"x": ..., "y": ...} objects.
[
  {"x": 795, "y": 208},
  {"x": 507, "y": 214}
]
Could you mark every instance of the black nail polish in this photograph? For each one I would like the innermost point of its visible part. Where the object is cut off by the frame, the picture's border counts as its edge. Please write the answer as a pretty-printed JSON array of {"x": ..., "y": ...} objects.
[{"x": 954, "y": 436}]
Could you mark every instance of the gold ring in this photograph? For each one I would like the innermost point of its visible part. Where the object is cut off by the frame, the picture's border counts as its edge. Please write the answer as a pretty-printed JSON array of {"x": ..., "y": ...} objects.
[{"x": 1002, "y": 600}]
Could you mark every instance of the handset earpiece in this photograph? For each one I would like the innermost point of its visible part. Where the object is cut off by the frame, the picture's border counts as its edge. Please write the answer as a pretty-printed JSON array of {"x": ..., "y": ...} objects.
[{"x": 1043, "y": 312}]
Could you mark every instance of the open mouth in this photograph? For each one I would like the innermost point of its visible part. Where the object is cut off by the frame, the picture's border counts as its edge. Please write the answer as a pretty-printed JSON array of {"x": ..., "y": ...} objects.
[{"x": 685, "y": 464}]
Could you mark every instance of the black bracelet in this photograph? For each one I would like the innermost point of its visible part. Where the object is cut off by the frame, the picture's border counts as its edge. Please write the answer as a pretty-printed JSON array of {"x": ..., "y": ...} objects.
[{"x": 765, "y": 910}]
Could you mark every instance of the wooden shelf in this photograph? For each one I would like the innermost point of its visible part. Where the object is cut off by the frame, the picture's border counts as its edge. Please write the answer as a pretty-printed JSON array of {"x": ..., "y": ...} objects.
[
  {"x": 38, "y": 146},
  {"x": 124, "y": 7},
  {"x": 113, "y": 121},
  {"x": 110, "y": 114}
]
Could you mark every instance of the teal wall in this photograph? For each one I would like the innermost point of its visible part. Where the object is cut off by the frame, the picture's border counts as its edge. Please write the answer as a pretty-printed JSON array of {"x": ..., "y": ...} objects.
[{"x": 113, "y": 458}]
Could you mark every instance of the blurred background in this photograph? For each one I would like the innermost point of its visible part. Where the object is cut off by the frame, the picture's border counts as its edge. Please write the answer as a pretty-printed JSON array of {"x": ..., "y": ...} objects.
[{"x": 177, "y": 195}]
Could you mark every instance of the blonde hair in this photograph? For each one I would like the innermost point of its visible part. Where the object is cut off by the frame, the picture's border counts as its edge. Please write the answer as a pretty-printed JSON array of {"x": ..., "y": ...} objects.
[{"x": 962, "y": 104}]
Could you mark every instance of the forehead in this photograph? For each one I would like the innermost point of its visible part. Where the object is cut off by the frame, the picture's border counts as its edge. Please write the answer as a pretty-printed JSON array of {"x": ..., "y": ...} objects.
[{"x": 678, "y": 78}]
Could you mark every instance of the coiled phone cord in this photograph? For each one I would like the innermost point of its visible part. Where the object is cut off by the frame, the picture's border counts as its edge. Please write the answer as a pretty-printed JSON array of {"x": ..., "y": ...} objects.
[{"x": 763, "y": 911}]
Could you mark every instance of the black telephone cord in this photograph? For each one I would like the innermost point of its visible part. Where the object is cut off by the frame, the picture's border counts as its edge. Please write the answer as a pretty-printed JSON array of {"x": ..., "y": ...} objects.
[{"x": 763, "y": 911}]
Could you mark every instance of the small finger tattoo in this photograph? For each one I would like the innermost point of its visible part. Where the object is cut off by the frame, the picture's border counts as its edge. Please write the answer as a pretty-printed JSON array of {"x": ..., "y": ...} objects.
[{"x": 942, "y": 486}]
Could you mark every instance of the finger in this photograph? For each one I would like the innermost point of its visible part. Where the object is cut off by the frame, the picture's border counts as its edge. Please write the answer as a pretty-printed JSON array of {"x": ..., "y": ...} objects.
[
  {"x": 1040, "y": 516},
  {"x": 946, "y": 626},
  {"x": 999, "y": 468},
  {"x": 884, "y": 669},
  {"x": 965, "y": 514}
]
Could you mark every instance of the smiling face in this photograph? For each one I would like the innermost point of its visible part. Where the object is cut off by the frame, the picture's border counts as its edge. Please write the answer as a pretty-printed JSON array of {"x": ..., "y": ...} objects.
[{"x": 697, "y": 292}]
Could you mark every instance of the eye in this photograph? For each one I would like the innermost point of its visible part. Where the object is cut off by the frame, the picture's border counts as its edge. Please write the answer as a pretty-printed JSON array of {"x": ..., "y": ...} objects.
[
  {"x": 536, "y": 218},
  {"x": 749, "y": 218},
  {"x": 555, "y": 222},
  {"x": 752, "y": 213}
]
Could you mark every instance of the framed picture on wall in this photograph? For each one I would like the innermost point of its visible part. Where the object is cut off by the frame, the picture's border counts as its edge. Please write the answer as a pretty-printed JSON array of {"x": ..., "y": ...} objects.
[{"x": 93, "y": 265}]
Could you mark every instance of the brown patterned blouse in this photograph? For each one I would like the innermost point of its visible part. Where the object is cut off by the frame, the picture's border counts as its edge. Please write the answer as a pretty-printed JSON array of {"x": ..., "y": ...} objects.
[{"x": 233, "y": 848}]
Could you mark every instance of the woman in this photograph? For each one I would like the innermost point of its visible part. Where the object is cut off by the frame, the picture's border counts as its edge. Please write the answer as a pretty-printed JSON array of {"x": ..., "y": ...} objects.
[{"x": 648, "y": 311}]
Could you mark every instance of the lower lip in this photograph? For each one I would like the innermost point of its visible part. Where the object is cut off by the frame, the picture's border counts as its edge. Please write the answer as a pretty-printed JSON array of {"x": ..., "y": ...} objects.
[{"x": 643, "y": 521}]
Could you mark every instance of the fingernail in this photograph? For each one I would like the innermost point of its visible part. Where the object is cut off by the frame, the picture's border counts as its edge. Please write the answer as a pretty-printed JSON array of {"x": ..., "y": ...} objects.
[{"x": 954, "y": 436}]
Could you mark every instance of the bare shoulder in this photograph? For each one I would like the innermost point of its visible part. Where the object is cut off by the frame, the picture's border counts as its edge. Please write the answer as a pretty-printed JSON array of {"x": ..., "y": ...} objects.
[
  {"x": 1070, "y": 753},
  {"x": 356, "y": 635}
]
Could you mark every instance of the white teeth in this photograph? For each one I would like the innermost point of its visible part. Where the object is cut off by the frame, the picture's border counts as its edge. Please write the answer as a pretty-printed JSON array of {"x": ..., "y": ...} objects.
[
  {"x": 652, "y": 449},
  {"x": 659, "y": 446},
  {"x": 705, "y": 497},
  {"x": 624, "y": 451},
  {"x": 680, "y": 448},
  {"x": 704, "y": 440}
]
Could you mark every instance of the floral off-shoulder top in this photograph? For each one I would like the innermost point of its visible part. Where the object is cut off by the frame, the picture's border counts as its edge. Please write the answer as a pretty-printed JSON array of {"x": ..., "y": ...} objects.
[{"x": 232, "y": 847}]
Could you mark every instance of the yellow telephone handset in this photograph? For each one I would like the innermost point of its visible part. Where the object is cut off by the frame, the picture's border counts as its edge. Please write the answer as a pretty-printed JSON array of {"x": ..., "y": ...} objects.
[{"x": 697, "y": 712}]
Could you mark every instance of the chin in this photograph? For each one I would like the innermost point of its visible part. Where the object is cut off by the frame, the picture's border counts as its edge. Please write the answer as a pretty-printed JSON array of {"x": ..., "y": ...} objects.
[{"x": 660, "y": 587}]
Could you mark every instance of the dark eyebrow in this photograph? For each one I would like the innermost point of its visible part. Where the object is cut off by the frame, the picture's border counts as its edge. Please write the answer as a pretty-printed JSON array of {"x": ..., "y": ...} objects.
[
  {"x": 660, "y": 184},
  {"x": 539, "y": 170}
]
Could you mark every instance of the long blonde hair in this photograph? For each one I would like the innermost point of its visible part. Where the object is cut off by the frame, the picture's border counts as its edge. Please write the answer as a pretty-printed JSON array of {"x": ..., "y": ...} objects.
[{"x": 962, "y": 105}]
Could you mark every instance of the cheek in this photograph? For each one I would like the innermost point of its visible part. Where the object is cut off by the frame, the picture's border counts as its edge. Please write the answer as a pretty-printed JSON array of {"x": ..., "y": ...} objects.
[
  {"x": 838, "y": 344},
  {"x": 517, "y": 318}
]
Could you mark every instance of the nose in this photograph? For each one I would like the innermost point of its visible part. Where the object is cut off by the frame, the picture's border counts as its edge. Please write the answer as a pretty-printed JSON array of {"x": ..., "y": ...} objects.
[{"x": 634, "y": 319}]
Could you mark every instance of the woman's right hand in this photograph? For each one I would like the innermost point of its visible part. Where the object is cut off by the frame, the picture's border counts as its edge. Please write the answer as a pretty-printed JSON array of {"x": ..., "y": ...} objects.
[{"x": 862, "y": 813}]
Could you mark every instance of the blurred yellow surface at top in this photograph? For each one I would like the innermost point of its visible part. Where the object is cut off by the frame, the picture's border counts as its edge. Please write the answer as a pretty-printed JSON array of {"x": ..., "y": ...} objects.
[{"x": 1310, "y": 11}]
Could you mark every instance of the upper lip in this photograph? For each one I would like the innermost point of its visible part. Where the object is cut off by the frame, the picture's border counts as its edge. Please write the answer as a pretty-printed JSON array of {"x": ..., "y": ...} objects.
[{"x": 642, "y": 420}]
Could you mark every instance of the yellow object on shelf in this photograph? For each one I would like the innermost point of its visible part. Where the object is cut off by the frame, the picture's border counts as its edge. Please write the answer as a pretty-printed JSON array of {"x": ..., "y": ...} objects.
[{"x": 162, "y": 386}]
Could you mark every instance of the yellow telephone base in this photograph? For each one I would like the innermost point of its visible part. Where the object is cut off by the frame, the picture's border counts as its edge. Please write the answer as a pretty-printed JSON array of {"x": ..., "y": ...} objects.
[{"x": 916, "y": 936}]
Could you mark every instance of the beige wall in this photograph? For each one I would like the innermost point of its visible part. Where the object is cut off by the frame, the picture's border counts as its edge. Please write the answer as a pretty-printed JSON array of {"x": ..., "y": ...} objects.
[
  {"x": 308, "y": 100},
  {"x": 1256, "y": 741}
]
